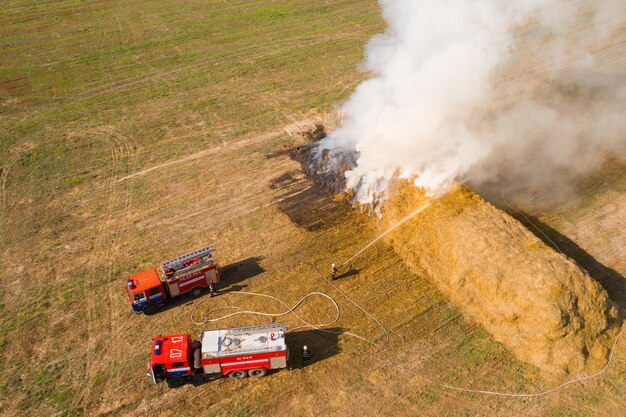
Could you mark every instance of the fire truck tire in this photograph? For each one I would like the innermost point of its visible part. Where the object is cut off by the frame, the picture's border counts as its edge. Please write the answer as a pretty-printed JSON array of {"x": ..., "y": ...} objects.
[
  {"x": 257, "y": 373},
  {"x": 175, "y": 382},
  {"x": 150, "y": 309},
  {"x": 197, "y": 292},
  {"x": 238, "y": 374}
]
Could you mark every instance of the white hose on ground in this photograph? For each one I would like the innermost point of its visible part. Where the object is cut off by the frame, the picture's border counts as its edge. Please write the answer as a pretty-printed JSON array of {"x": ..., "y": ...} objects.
[{"x": 306, "y": 324}]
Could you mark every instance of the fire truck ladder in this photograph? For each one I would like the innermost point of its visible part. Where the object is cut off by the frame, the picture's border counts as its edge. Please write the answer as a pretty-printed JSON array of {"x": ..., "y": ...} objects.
[{"x": 179, "y": 263}]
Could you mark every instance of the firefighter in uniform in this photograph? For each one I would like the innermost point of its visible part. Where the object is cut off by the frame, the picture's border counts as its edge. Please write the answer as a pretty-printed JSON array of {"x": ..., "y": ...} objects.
[
  {"x": 306, "y": 356},
  {"x": 333, "y": 271},
  {"x": 212, "y": 288}
]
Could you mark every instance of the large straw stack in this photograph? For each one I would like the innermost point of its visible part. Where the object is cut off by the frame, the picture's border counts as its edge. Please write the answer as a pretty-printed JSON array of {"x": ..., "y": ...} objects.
[{"x": 532, "y": 299}]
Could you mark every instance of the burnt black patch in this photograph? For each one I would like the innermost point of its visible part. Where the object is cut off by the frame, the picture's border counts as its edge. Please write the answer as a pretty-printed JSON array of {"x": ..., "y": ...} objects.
[
  {"x": 307, "y": 203},
  {"x": 321, "y": 169},
  {"x": 307, "y": 195},
  {"x": 284, "y": 152},
  {"x": 283, "y": 180},
  {"x": 316, "y": 134}
]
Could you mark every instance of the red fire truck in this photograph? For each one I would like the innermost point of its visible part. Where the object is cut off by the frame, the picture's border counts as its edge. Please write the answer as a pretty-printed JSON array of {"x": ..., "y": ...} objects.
[
  {"x": 237, "y": 353},
  {"x": 148, "y": 290}
]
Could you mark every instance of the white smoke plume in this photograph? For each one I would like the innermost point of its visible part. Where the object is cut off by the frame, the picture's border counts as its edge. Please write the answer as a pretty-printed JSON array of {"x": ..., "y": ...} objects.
[{"x": 465, "y": 90}]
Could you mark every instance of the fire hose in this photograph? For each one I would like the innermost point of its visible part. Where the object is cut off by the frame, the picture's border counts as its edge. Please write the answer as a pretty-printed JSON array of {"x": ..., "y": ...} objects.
[{"x": 290, "y": 310}]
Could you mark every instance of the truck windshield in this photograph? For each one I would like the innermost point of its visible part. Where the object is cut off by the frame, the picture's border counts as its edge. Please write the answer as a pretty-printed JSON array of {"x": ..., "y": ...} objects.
[{"x": 140, "y": 296}]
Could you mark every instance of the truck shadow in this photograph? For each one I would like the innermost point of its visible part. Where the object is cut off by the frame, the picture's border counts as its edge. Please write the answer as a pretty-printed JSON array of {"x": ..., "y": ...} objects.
[
  {"x": 321, "y": 345},
  {"x": 612, "y": 281},
  {"x": 241, "y": 270},
  {"x": 233, "y": 288}
]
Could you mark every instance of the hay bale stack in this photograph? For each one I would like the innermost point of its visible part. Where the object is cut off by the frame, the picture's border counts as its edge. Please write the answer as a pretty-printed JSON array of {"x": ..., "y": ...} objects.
[{"x": 532, "y": 299}]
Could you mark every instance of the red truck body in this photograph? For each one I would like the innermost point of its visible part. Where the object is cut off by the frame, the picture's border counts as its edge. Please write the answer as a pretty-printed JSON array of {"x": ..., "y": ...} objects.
[
  {"x": 235, "y": 352},
  {"x": 190, "y": 273}
]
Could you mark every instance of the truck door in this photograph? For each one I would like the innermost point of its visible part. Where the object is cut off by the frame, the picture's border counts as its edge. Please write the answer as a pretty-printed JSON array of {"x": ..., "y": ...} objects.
[
  {"x": 139, "y": 301},
  {"x": 158, "y": 372},
  {"x": 156, "y": 295}
]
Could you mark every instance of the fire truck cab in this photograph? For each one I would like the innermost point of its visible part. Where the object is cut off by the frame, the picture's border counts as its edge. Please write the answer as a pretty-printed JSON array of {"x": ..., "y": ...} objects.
[
  {"x": 149, "y": 290},
  {"x": 172, "y": 358},
  {"x": 236, "y": 352}
]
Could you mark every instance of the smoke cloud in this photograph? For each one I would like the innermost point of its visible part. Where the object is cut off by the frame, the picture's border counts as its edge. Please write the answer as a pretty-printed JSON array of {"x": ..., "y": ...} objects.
[{"x": 467, "y": 90}]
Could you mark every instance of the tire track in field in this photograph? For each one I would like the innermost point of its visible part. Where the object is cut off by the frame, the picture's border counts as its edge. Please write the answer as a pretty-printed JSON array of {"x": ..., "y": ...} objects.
[
  {"x": 231, "y": 205},
  {"x": 14, "y": 156},
  {"x": 129, "y": 152},
  {"x": 114, "y": 164},
  {"x": 218, "y": 209},
  {"x": 215, "y": 149},
  {"x": 98, "y": 289},
  {"x": 104, "y": 250},
  {"x": 99, "y": 241},
  {"x": 235, "y": 204},
  {"x": 187, "y": 231}
]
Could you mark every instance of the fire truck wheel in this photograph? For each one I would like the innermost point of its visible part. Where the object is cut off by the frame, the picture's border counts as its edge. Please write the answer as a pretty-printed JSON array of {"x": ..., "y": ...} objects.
[
  {"x": 238, "y": 375},
  {"x": 257, "y": 373},
  {"x": 150, "y": 309},
  {"x": 175, "y": 382},
  {"x": 197, "y": 292}
]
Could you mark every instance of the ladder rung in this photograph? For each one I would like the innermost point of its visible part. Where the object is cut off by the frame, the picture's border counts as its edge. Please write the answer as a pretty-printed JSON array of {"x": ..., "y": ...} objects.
[{"x": 174, "y": 263}]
